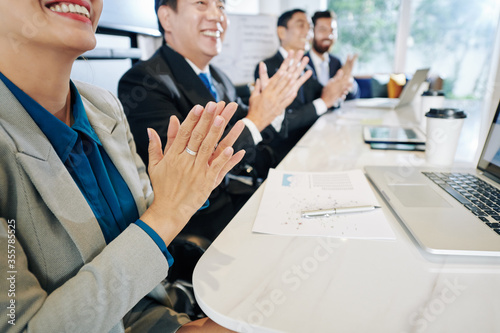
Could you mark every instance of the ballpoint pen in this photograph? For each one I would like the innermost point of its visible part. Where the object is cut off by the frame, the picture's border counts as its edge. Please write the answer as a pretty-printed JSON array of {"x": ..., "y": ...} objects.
[{"x": 335, "y": 211}]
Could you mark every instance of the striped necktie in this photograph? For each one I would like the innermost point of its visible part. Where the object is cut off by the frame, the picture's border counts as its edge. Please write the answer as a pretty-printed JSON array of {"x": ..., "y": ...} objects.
[{"x": 208, "y": 83}]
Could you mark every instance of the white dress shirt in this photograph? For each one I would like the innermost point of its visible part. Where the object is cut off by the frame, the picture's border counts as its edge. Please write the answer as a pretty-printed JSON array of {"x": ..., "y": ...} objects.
[{"x": 321, "y": 66}]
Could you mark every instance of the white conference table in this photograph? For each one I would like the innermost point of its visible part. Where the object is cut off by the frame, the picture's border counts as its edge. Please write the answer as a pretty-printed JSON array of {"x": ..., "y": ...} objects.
[{"x": 251, "y": 282}]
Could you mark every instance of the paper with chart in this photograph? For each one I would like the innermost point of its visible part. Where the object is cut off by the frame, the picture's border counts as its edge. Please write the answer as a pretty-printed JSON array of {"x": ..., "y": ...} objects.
[{"x": 287, "y": 194}]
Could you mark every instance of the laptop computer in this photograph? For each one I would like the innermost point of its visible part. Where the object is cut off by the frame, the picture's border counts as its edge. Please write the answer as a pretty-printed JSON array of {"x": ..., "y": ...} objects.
[
  {"x": 407, "y": 94},
  {"x": 448, "y": 211}
]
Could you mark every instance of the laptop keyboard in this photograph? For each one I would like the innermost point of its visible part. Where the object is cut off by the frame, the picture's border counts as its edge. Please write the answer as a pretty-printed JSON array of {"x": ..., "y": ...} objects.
[{"x": 479, "y": 197}]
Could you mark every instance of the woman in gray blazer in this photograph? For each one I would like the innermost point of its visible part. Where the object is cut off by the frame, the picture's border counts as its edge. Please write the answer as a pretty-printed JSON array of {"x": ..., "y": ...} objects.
[{"x": 83, "y": 234}]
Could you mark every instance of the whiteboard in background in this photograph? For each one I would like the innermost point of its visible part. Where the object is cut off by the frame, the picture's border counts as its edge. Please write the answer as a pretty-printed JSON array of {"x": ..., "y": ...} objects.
[{"x": 249, "y": 39}]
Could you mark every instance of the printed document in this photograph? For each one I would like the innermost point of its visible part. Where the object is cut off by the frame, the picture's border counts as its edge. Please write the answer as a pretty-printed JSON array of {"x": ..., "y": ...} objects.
[{"x": 287, "y": 194}]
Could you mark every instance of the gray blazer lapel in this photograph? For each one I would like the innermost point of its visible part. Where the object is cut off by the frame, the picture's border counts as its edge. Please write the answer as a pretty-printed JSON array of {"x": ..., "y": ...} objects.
[
  {"x": 40, "y": 162},
  {"x": 113, "y": 136}
]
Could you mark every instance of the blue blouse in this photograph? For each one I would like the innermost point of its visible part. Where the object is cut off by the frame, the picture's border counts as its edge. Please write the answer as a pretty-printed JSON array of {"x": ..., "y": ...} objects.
[{"x": 89, "y": 165}]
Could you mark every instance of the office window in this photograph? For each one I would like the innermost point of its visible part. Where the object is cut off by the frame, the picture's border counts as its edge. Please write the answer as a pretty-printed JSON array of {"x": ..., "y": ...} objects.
[
  {"x": 455, "y": 38},
  {"x": 368, "y": 28}
]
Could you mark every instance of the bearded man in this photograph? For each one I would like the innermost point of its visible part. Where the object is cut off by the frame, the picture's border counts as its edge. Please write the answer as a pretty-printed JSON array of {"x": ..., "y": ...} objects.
[{"x": 325, "y": 65}]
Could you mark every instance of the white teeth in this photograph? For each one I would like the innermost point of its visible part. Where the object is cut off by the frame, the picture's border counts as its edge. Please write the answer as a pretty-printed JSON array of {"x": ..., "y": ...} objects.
[
  {"x": 210, "y": 33},
  {"x": 70, "y": 8},
  {"x": 86, "y": 12}
]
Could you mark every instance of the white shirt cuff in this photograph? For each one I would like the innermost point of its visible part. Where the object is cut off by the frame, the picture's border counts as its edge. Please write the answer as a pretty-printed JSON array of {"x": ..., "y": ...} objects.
[
  {"x": 320, "y": 106},
  {"x": 278, "y": 122},
  {"x": 253, "y": 130},
  {"x": 354, "y": 88}
]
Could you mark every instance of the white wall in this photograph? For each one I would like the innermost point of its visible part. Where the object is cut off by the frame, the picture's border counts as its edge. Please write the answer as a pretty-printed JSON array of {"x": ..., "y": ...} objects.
[
  {"x": 269, "y": 7},
  {"x": 273, "y": 7},
  {"x": 103, "y": 73},
  {"x": 242, "y": 6},
  {"x": 310, "y": 6}
]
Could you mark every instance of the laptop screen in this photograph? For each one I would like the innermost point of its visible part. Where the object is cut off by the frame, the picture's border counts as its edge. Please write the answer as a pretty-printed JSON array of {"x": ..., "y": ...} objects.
[{"x": 490, "y": 157}]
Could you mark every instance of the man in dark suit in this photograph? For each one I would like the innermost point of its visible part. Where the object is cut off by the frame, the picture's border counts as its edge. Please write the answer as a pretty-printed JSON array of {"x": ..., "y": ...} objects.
[
  {"x": 324, "y": 64},
  {"x": 179, "y": 76},
  {"x": 313, "y": 98}
]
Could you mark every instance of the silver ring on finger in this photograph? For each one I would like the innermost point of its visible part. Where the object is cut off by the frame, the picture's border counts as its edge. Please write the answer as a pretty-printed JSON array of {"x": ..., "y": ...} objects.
[{"x": 190, "y": 152}]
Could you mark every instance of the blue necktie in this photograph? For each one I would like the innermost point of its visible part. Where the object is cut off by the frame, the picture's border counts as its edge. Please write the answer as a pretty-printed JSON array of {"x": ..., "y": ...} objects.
[{"x": 206, "y": 80}]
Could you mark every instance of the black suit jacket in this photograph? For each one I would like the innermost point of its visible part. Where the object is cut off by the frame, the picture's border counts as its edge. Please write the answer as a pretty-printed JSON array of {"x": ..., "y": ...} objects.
[
  {"x": 300, "y": 115},
  {"x": 165, "y": 85},
  {"x": 334, "y": 65}
]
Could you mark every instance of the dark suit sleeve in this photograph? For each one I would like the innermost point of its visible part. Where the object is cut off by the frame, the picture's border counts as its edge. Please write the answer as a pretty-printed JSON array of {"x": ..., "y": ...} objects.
[
  {"x": 149, "y": 102},
  {"x": 300, "y": 116}
]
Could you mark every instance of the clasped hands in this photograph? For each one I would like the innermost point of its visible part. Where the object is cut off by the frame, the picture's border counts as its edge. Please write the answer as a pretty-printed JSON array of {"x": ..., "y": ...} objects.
[
  {"x": 192, "y": 164},
  {"x": 272, "y": 95}
]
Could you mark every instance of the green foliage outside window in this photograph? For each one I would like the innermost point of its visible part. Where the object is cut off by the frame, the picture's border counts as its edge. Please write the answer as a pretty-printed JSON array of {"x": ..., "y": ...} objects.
[
  {"x": 368, "y": 28},
  {"x": 455, "y": 38}
]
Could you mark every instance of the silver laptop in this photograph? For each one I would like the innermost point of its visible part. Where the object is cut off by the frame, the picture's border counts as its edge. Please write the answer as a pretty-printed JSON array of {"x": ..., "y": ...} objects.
[
  {"x": 407, "y": 94},
  {"x": 448, "y": 211}
]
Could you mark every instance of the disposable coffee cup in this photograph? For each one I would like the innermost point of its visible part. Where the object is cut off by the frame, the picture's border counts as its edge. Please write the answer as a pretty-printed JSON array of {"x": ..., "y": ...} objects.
[
  {"x": 430, "y": 99},
  {"x": 443, "y": 130}
]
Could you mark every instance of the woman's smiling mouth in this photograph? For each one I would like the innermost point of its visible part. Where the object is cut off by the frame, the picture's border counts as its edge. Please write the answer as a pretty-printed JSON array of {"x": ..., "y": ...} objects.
[{"x": 69, "y": 8}]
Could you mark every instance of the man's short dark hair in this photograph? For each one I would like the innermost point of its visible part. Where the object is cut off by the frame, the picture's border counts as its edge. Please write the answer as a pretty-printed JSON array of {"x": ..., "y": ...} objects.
[
  {"x": 286, "y": 16},
  {"x": 171, "y": 3},
  {"x": 323, "y": 14}
]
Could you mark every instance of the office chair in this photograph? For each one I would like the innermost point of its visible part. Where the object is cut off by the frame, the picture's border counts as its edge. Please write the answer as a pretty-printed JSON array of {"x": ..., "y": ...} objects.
[{"x": 187, "y": 249}]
